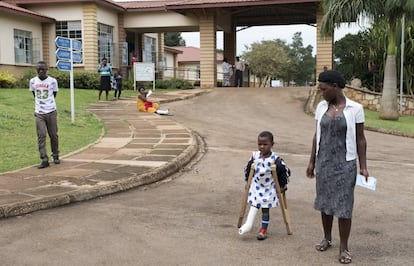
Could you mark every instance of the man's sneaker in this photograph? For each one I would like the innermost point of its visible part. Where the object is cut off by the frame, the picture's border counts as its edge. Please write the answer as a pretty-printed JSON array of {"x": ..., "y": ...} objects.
[
  {"x": 262, "y": 234},
  {"x": 56, "y": 159},
  {"x": 43, "y": 164}
]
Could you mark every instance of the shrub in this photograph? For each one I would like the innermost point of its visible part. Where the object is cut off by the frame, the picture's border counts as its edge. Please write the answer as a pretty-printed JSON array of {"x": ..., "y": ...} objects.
[
  {"x": 62, "y": 77},
  {"x": 24, "y": 80},
  {"x": 162, "y": 84},
  {"x": 7, "y": 80},
  {"x": 82, "y": 79},
  {"x": 173, "y": 84},
  {"x": 88, "y": 80},
  {"x": 128, "y": 84}
]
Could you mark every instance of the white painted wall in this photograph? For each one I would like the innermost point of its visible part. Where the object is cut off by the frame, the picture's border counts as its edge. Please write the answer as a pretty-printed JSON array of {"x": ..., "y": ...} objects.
[
  {"x": 109, "y": 18},
  {"x": 158, "y": 20},
  {"x": 8, "y": 24},
  {"x": 59, "y": 12},
  {"x": 70, "y": 12},
  {"x": 169, "y": 64}
]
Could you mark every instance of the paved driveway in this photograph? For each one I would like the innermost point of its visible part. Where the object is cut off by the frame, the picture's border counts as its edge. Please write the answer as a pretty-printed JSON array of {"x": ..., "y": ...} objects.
[{"x": 190, "y": 218}]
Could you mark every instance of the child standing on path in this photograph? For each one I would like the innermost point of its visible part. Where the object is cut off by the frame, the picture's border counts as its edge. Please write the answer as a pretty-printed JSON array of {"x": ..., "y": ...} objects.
[
  {"x": 262, "y": 191},
  {"x": 44, "y": 89},
  {"x": 118, "y": 86}
]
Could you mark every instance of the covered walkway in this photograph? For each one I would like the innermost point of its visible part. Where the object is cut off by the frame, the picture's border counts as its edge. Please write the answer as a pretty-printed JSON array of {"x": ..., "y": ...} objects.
[{"x": 228, "y": 16}]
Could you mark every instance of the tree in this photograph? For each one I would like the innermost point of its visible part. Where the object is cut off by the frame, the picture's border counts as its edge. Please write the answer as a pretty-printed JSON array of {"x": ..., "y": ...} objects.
[
  {"x": 356, "y": 56},
  {"x": 390, "y": 11},
  {"x": 268, "y": 59},
  {"x": 303, "y": 62},
  {"x": 173, "y": 39}
]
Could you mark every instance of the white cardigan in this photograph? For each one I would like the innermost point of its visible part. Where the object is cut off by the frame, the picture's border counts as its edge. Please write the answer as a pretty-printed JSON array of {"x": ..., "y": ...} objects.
[{"x": 354, "y": 114}]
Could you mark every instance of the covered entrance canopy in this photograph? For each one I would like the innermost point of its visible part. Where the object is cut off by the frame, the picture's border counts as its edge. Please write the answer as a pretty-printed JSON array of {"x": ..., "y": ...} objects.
[{"x": 207, "y": 16}]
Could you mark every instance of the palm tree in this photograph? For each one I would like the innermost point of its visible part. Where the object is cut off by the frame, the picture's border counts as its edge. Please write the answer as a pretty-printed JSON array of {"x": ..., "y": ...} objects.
[{"x": 390, "y": 11}]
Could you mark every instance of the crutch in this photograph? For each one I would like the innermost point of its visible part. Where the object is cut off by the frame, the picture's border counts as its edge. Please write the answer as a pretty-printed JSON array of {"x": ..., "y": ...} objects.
[
  {"x": 245, "y": 196},
  {"x": 282, "y": 199}
]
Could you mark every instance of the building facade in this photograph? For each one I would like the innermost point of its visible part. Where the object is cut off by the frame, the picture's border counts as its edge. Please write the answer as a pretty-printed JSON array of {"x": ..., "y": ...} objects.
[{"x": 127, "y": 32}]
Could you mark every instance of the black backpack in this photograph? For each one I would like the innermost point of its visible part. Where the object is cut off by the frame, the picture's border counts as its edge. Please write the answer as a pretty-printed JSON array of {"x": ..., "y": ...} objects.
[{"x": 282, "y": 170}]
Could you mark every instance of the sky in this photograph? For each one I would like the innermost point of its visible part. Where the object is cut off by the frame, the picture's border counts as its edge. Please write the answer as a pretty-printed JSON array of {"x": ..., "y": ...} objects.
[{"x": 257, "y": 34}]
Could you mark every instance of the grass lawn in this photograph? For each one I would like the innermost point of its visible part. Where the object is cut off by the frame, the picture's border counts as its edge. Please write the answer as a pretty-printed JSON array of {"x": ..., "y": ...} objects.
[
  {"x": 18, "y": 133},
  {"x": 404, "y": 126},
  {"x": 18, "y": 130}
]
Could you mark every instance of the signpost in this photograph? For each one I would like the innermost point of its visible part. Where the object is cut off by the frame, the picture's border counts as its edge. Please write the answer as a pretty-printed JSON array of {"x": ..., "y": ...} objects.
[
  {"x": 64, "y": 65},
  {"x": 68, "y": 52},
  {"x": 62, "y": 42},
  {"x": 77, "y": 57},
  {"x": 144, "y": 72}
]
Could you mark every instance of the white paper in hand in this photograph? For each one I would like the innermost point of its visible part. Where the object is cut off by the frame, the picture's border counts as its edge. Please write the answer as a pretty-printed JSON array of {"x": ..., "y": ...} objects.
[
  {"x": 149, "y": 93},
  {"x": 370, "y": 184}
]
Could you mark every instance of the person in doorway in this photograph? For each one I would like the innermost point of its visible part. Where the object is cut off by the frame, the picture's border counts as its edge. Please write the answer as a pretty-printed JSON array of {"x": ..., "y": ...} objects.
[
  {"x": 240, "y": 67},
  {"x": 144, "y": 105},
  {"x": 118, "y": 85},
  {"x": 227, "y": 72},
  {"x": 106, "y": 73},
  {"x": 338, "y": 141},
  {"x": 45, "y": 89}
]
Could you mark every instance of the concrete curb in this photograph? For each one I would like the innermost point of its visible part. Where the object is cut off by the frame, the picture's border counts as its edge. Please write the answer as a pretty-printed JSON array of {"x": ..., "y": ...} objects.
[
  {"x": 133, "y": 181},
  {"x": 155, "y": 175}
]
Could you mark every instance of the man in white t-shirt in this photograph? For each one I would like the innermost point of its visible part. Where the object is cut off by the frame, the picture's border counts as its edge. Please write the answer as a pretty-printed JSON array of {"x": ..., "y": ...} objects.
[{"x": 44, "y": 89}]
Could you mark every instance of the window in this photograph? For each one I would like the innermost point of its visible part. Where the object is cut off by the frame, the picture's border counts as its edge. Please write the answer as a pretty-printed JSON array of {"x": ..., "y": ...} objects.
[
  {"x": 23, "y": 47},
  {"x": 149, "y": 53},
  {"x": 105, "y": 43},
  {"x": 69, "y": 29}
]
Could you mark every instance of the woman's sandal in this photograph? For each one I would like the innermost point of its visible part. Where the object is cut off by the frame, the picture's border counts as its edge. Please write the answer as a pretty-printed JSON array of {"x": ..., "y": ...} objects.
[
  {"x": 345, "y": 257},
  {"x": 324, "y": 245}
]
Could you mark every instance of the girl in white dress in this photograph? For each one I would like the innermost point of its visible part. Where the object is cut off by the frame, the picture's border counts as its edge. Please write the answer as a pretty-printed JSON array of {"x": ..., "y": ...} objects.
[{"x": 262, "y": 191}]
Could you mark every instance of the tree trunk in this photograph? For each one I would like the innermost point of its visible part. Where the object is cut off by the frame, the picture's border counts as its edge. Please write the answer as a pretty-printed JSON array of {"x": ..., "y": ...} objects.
[{"x": 389, "y": 105}]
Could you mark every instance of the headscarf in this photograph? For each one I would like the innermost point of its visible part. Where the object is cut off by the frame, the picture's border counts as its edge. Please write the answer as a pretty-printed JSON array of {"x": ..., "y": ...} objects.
[{"x": 333, "y": 77}]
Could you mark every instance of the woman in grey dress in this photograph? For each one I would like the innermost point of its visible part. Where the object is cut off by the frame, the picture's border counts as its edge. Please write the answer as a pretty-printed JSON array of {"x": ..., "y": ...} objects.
[{"x": 338, "y": 141}]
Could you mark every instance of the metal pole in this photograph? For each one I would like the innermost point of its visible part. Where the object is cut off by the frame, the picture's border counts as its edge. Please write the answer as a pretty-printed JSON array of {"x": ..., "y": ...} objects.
[
  {"x": 72, "y": 90},
  {"x": 402, "y": 60}
]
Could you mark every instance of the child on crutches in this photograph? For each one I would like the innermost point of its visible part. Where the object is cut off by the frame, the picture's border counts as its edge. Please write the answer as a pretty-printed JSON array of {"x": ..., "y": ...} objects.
[{"x": 262, "y": 188}]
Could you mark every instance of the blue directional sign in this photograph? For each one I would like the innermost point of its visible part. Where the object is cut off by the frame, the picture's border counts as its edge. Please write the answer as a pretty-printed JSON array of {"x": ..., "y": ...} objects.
[
  {"x": 64, "y": 65},
  {"x": 76, "y": 45},
  {"x": 62, "y": 42},
  {"x": 63, "y": 54},
  {"x": 77, "y": 57}
]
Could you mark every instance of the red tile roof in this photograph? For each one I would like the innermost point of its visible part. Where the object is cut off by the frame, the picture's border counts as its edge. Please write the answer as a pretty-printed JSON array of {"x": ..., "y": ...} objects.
[
  {"x": 186, "y": 4},
  {"x": 191, "y": 54},
  {"x": 13, "y": 9},
  {"x": 172, "y": 50},
  {"x": 108, "y": 3}
]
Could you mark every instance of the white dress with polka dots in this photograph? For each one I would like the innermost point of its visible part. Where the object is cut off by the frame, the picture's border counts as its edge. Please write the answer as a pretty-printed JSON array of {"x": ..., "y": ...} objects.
[{"x": 262, "y": 192}]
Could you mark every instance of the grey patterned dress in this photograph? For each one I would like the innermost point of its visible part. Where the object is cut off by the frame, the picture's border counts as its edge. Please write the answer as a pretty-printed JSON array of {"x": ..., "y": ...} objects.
[{"x": 335, "y": 177}]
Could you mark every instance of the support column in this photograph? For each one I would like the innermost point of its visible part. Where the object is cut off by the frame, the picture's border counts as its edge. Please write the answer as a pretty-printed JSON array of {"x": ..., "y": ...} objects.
[
  {"x": 208, "y": 57},
  {"x": 324, "y": 47},
  {"x": 90, "y": 36},
  {"x": 160, "y": 59},
  {"x": 324, "y": 59},
  {"x": 230, "y": 44},
  {"x": 230, "y": 47},
  {"x": 123, "y": 60},
  {"x": 46, "y": 41}
]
